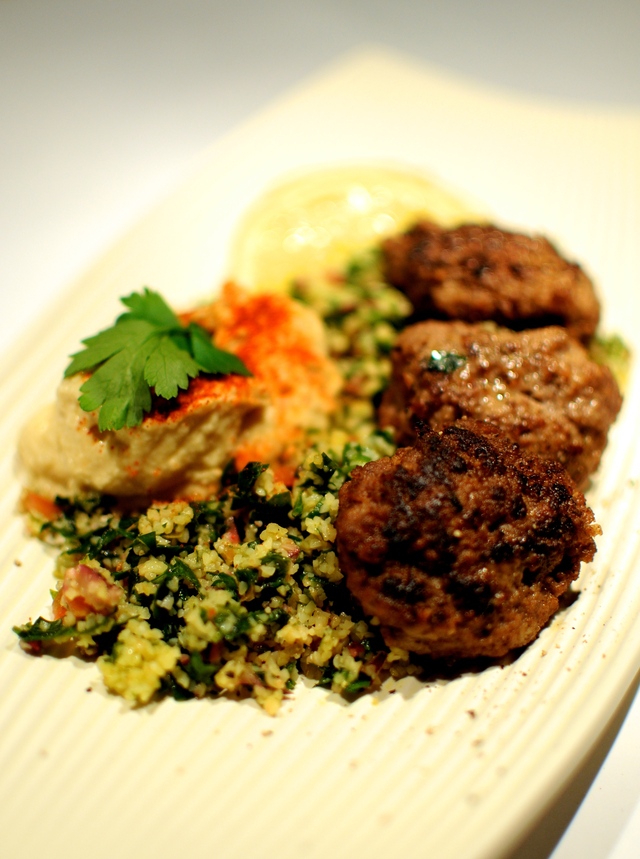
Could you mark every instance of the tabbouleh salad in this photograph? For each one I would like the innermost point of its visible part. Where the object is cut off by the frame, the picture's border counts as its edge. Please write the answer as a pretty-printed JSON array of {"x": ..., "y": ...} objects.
[{"x": 241, "y": 594}]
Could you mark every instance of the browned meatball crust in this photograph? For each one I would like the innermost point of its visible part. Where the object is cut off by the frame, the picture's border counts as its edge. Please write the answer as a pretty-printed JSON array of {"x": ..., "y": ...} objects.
[
  {"x": 477, "y": 272},
  {"x": 539, "y": 387},
  {"x": 461, "y": 546}
]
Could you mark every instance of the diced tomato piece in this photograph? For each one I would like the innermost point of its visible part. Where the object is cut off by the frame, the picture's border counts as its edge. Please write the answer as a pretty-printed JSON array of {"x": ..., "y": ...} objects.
[
  {"x": 231, "y": 533},
  {"x": 84, "y": 591},
  {"x": 40, "y": 506}
]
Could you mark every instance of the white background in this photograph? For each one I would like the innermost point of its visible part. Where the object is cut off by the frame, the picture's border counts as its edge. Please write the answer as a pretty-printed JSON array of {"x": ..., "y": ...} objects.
[{"x": 106, "y": 104}]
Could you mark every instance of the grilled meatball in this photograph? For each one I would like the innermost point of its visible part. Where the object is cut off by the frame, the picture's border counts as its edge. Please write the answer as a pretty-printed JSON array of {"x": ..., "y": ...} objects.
[
  {"x": 461, "y": 546},
  {"x": 539, "y": 386},
  {"x": 477, "y": 272}
]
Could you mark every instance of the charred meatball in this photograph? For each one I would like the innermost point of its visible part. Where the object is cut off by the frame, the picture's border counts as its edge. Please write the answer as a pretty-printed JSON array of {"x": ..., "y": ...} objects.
[
  {"x": 478, "y": 272},
  {"x": 539, "y": 387},
  {"x": 461, "y": 546}
]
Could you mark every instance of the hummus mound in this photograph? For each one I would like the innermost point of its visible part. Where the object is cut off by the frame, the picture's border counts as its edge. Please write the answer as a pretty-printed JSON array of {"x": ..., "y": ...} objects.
[{"x": 182, "y": 446}]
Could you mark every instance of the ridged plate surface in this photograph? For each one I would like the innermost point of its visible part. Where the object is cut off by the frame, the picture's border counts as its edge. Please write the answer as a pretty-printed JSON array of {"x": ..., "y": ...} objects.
[{"x": 452, "y": 769}]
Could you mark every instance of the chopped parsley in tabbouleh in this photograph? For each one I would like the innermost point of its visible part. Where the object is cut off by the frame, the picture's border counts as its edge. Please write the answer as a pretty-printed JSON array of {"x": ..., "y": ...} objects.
[{"x": 240, "y": 594}]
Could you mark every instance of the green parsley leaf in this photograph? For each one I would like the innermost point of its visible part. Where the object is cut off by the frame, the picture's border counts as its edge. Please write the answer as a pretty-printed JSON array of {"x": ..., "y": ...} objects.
[
  {"x": 42, "y": 630},
  {"x": 210, "y": 358},
  {"x": 146, "y": 349},
  {"x": 444, "y": 362},
  {"x": 119, "y": 389},
  {"x": 108, "y": 343},
  {"x": 151, "y": 307},
  {"x": 168, "y": 368}
]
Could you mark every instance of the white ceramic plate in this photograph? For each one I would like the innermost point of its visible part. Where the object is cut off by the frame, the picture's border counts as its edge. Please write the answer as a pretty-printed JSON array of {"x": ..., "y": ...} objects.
[{"x": 451, "y": 769}]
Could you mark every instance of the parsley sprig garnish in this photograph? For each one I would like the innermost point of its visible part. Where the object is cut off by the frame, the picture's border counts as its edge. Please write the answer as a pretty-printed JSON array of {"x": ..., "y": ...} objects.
[{"x": 147, "y": 348}]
